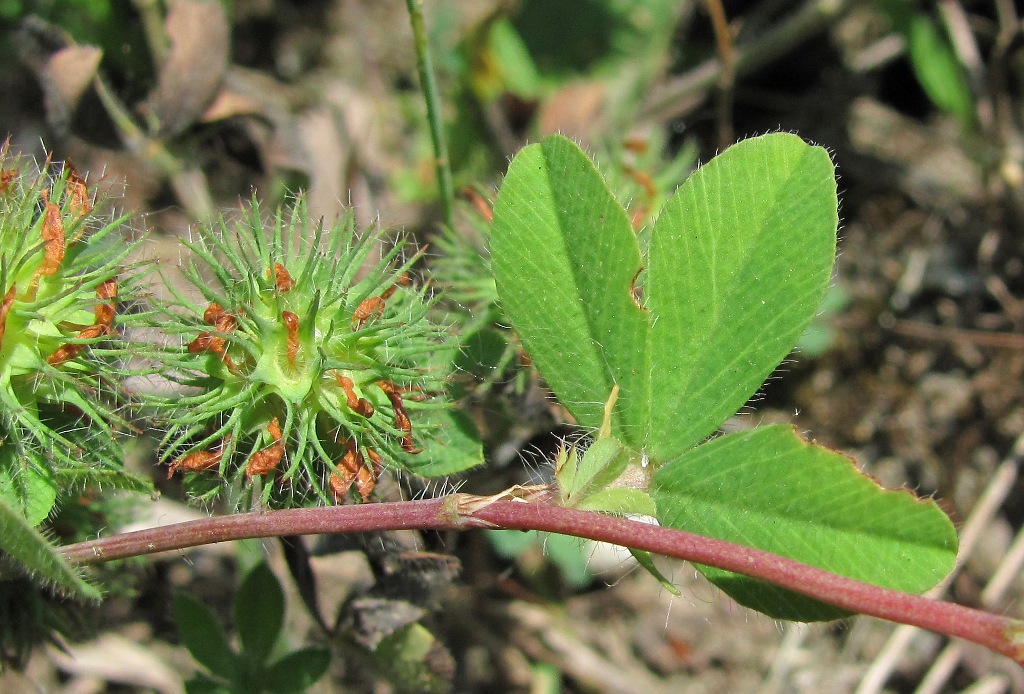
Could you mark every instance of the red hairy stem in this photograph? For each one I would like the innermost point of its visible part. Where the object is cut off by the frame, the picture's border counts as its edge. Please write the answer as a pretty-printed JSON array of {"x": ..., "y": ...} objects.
[{"x": 462, "y": 511}]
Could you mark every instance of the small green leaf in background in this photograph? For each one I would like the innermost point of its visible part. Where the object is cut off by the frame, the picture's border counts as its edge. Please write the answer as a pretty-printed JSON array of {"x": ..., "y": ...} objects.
[
  {"x": 415, "y": 660},
  {"x": 938, "y": 69},
  {"x": 259, "y": 612},
  {"x": 500, "y": 62},
  {"x": 571, "y": 555},
  {"x": 933, "y": 59},
  {"x": 587, "y": 37},
  {"x": 200, "y": 684},
  {"x": 297, "y": 671},
  {"x": 453, "y": 446},
  {"x": 568, "y": 554},
  {"x": 204, "y": 638},
  {"x": 258, "y": 609},
  {"x": 770, "y": 489}
]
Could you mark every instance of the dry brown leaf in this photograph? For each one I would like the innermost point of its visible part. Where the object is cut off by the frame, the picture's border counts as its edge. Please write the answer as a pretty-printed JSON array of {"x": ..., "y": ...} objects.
[
  {"x": 576, "y": 109},
  {"x": 65, "y": 77},
  {"x": 195, "y": 462},
  {"x": 367, "y": 310},
  {"x": 77, "y": 192},
  {"x": 291, "y": 323},
  {"x": 228, "y": 104},
  {"x": 360, "y": 406},
  {"x": 282, "y": 280},
  {"x": 190, "y": 77}
]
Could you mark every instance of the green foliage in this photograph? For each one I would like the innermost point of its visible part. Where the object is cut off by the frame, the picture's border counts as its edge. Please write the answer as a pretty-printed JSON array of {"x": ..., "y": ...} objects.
[
  {"x": 83, "y": 18},
  {"x": 488, "y": 349},
  {"x": 312, "y": 362},
  {"x": 938, "y": 69},
  {"x": 934, "y": 60},
  {"x": 311, "y": 372},
  {"x": 733, "y": 274},
  {"x": 641, "y": 178},
  {"x": 258, "y": 628},
  {"x": 61, "y": 357},
  {"x": 593, "y": 480},
  {"x": 64, "y": 279},
  {"x": 675, "y": 336},
  {"x": 739, "y": 261},
  {"x": 602, "y": 33},
  {"x": 259, "y": 615},
  {"x": 31, "y": 615}
]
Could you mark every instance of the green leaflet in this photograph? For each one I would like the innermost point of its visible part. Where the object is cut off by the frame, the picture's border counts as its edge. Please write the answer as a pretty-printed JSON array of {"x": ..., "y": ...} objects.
[
  {"x": 770, "y": 489},
  {"x": 564, "y": 256},
  {"x": 739, "y": 262}
]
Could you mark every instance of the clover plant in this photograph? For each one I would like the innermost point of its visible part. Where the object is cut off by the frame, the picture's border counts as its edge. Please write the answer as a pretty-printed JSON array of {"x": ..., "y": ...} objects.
[
  {"x": 655, "y": 344},
  {"x": 61, "y": 352},
  {"x": 306, "y": 357}
]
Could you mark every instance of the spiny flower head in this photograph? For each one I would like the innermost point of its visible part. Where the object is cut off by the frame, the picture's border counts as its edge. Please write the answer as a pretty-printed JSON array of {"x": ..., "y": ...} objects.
[
  {"x": 60, "y": 346},
  {"x": 305, "y": 363}
]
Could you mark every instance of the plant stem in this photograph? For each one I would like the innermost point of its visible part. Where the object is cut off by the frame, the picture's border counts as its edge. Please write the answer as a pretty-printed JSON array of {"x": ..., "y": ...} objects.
[
  {"x": 681, "y": 94},
  {"x": 442, "y": 167},
  {"x": 153, "y": 26},
  {"x": 188, "y": 181},
  {"x": 727, "y": 75},
  {"x": 462, "y": 511}
]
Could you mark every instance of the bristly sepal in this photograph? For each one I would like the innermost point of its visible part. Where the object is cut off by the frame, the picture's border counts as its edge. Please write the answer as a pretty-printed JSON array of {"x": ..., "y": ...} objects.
[{"x": 309, "y": 364}]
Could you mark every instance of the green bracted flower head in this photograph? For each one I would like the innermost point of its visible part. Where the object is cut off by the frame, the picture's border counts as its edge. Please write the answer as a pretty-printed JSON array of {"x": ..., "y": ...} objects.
[
  {"x": 60, "y": 346},
  {"x": 306, "y": 363}
]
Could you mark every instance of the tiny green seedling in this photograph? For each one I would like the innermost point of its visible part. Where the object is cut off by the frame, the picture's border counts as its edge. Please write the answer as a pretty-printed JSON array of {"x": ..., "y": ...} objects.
[{"x": 259, "y": 617}]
